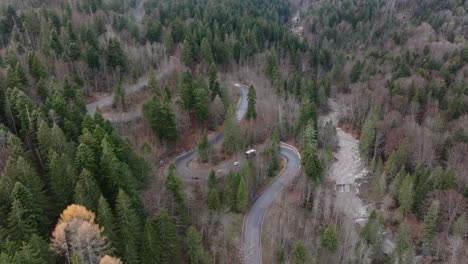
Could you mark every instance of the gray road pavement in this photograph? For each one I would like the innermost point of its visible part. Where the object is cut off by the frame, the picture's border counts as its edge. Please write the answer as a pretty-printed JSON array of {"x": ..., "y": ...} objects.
[
  {"x": 183, "y": 160},
  {"x": 254, "y": 218}
]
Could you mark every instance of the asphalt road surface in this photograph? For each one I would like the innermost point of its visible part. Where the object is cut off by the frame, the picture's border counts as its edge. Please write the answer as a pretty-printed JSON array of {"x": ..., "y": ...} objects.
[
  {"x": 254, "y": 218},
  {"x": 183, "y": 160}
]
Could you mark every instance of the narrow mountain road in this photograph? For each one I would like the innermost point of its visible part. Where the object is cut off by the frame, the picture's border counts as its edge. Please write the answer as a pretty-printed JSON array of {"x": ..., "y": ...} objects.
[
  {"x": 254, "y": 219},
  {"x": 183, "y": 160}
]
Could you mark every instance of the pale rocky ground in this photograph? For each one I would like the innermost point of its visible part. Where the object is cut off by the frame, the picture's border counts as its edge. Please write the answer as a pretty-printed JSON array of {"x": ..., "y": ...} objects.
[{"x": 346, "y": 169}]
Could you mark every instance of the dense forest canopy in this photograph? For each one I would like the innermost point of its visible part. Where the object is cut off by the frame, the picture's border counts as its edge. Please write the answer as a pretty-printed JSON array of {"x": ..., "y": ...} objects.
[{"x": 98, "y": 98}]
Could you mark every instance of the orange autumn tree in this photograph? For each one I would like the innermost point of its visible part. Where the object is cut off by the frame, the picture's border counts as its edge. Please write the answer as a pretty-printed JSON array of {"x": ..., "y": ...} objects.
[{"x": 77, "y": 236}]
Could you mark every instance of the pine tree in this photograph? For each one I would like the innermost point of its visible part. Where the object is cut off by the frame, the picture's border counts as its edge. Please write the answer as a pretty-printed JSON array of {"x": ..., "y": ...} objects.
[
  {"x": 194, "y": 247},
  {"x": 114, "y": 174},
  {"x": 20, "y": 170},
  {"x": 251, "y": 108},
  {"x": 404, "y": 250},
  {"x": 116, "y": 56},
  {"x": 187, "y": 56},
  {"x": 311, "y": 163},
  {"x": 328, "y": 239},
  {"x": 213, "y": 200},
  {"x": 405, "y": 195},
  {"x": 201, "y": 104},
  {"x": 187, "y": 91},
  {"x": 300, "y": 255},
  {"x": 213, "y": 82},
  {"x": 153, "y": 31},
  {"x": 73, "y": 51},
  {"x": 242, "y": 199},
  {"x": 27, "y": 254},
  {"x": 203, "y": 148},
  {"x": 26, "y": 217},
  {"x": 87, "y": 191},
  {"x": 41, "y": 246},
  {"x": 119, "y": 96},
  {"x": 106, "y": 220},
  {"x": 356, "y": 71},
  {"x": 149, "y": 254},
  {"x": 174, "y": 185},
  {"x": 232, "y": 134},
  {"x": 166, "y": 245},
  {"x": 212, "y": 181},
  {"x": 36, "y": 68},
  {"x": 368, "y": 132},
  {"x": 205, "y": 51},
  {"x": 429, "y": 228},
  {"x": 91, "y": 55},
  {"x": 373, "y": 235},
  {"x": 128, "y": 229},
  {"x": 55, "y": 44},
  {"x": 161, "y": 118},
  {"x": 62, "y": 179},
  {"x": 84, "y": 158}
]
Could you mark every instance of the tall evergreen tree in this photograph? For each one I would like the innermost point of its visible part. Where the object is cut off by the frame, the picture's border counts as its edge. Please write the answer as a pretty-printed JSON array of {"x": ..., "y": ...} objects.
[
  {"x": 429, "y": 228},
  {"x": 251, "y": 108},
  {"x": 203, "y": 148},
  {"x": 201, "y": 101},
  {"x": 128, "y": 229},
  {"x": 149, "y": 253},
  {"x": 84, "y": 158},
  {"x": 174, "y": 185},
  {"x": 242, "y": 199},
  {"x": 62, "y": 179},
  {"x": 368, "y": 132},
  {"x": 404, "y": 249},
  {"x": 116, "y": 56},
  {"x": 20, "y": 170},
  {"x": 232, "y": 134},
  {"x": 405, "y": 195},
  {"x": 36, "y": 68},
  {"x": 205, "y": 51},
  {"x": 119, "y": 96},
  {"x": 87, "y": 191},
  {"x": 311, "y": 162},
  {"x": 195, "y": 249},
  {"x": 187, "y": 55},
  {"x": 213, "y": 199},
  {"x": 166, "y": 245},
  {"x": 26, "y": 217},
  {"x": 213, "y": 82},
  {"x": 106, "y": 220}
]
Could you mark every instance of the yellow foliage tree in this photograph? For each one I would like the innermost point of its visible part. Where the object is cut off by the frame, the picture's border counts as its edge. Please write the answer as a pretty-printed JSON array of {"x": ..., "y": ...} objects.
[
  {"x": 110, "y": 260},
  {"x": 78, "y": 212},
  {"x": 76, "y": 234}
]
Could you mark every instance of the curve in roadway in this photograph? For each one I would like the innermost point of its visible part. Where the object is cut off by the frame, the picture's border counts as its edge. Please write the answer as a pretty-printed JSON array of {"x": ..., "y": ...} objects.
[
  {"x": 254, "y": 219},
  {"x": 181, "y": 162}
]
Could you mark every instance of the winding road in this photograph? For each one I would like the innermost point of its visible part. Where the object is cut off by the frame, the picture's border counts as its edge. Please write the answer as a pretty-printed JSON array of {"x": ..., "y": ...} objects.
[
  {"x": 182, "y": 161},
  {"x": 253, "y": 220}
]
